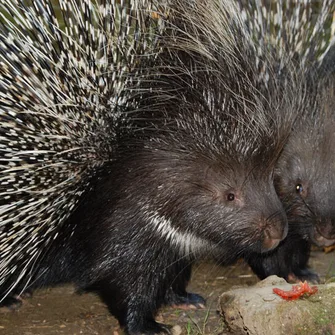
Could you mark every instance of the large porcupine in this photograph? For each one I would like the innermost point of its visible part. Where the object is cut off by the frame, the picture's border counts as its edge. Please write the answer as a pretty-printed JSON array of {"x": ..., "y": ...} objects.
[
  {"x": 195, "y": 179},
  {"x": 194, "y": 176},
  {"x": 304, "y": 176}
]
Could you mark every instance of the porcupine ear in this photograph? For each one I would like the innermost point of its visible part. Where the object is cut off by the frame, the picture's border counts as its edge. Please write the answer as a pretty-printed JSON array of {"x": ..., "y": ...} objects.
[{"x": 67, "y": 79}]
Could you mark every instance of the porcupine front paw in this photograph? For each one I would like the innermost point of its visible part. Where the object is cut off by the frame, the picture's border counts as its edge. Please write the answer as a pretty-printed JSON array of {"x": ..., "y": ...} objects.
[
  {"x": 151, "y": 327},
  {"x": 185, "y": 301},
  {"x": 15, "y": 301},
  {"x": 304, "y": 274},
  {"x": 11, "y": 302}
]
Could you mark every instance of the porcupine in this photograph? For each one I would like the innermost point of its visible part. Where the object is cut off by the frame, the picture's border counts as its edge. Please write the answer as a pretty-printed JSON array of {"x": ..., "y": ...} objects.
[
  {"x": 304, "y": 177},
  {"x": 195, "y": 166},
  {"x": 194, "y": 177},
  {"x": 305, "y": 181}
]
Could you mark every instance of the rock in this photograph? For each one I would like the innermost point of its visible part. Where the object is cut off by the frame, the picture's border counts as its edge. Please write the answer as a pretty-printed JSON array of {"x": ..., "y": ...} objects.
[{"x": 257, "y": 310}]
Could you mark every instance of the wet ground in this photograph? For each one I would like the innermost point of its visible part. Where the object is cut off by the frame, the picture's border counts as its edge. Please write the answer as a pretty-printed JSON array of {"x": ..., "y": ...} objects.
[{"x": 60, "y": 311}]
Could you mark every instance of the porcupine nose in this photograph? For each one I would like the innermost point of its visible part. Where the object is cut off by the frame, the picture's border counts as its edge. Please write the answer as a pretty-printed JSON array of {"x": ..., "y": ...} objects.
[
  {"x": 273, "y": 233},
  {"x": 324, "y": 232},
  {"x": 269, "y": 242},
  {"x": 326, "y": 227}
]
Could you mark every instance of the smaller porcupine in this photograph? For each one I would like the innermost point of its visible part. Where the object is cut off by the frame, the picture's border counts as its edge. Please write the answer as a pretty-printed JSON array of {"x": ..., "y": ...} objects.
[
  {"x": 305, "y": 182},
  {"x": 305, "y": 173},
  {"x": 196, "y": 175}
]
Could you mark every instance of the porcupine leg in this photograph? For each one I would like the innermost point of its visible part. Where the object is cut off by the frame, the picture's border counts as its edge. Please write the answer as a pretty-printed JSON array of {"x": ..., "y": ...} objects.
[
  {"x": 299, "y": 268},
  {"x": 134, "y": 310},
  {"x": 289, "y": 260},
  {"x": 272, "y": 263},
  {"x": 11, "y": 302},
  {"x": 185, "y": 300},
  {"x": 14, "y": 301},
  {"x": 178, "y": 297}
]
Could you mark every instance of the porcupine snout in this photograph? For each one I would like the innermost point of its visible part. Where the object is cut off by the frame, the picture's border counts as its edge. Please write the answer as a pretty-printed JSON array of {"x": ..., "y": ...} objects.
[
  {"x": 274, "y": 227},
  {"x": 266, "y": 212},
  {"x": 324, "y": 234},
  {"x": 272, "y": 234}
]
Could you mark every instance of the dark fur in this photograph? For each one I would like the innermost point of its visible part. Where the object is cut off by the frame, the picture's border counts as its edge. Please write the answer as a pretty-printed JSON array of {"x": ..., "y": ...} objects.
[
  {"x": 182, "y": 168},
  {"x": 116, "y": 252},
  {"x": 196, "y": 179}
]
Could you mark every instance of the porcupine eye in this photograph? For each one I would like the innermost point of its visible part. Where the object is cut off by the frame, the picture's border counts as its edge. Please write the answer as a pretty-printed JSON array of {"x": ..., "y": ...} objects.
[
  {"x": 231, "y": 197},
  {"x": 299, "y": 188}
]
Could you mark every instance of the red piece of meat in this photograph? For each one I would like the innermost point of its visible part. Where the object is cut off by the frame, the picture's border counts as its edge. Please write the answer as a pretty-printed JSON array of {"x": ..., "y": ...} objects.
[{"x": 297, "y": 291}]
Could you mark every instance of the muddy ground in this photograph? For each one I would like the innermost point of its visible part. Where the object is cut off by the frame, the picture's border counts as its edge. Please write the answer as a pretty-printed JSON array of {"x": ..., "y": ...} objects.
[{"x": 61, "y": 311}]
